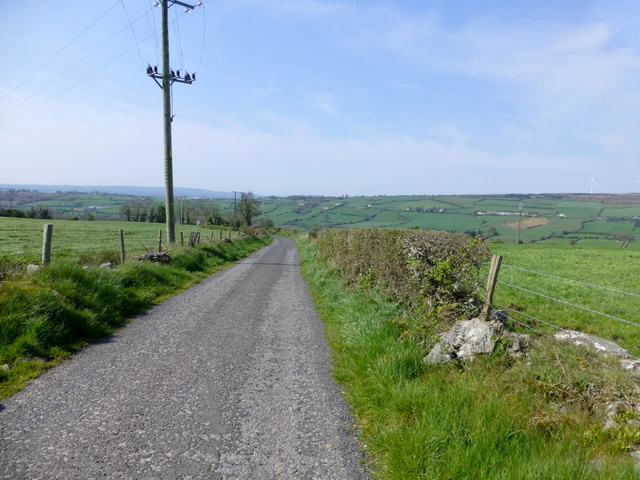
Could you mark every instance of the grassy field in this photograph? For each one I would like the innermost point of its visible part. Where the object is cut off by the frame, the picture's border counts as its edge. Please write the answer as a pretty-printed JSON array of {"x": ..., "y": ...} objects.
[
  {"x": 599, "y": 271},
  {"x": 21, "y": 238},
  {"x": 495, "y": 418},
  {"x": 558, "y": 215}
]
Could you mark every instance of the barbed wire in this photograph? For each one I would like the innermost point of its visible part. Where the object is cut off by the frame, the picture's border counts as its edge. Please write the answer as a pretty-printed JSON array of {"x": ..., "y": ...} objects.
[
  {"x": 570, "y": 304},
  {"x": 572, "y": 281},
  {"x": 534, "y": 318},
  {"x": 588, "y": 355}
]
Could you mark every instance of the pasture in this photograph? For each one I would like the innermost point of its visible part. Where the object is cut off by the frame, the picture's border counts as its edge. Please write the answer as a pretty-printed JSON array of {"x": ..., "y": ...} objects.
[
  {"x": 592, "y": 289},
  {"x": 547, "y": 218},
  {"x": 21, "y": 238}
]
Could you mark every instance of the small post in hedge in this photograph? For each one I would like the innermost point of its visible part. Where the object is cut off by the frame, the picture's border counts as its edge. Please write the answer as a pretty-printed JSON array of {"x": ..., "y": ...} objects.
[
  {"x": 159, "y": 240},
  {"x": 496, "y": 260}
]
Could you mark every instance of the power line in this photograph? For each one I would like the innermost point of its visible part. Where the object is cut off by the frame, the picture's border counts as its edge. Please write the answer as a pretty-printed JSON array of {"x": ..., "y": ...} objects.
[
  {"x": 59, "y": 51},
  {"x": 68, "y": 69},
  {"x": 154, "y": 30},
  {"x": 132, "y": 31},
  {"x": 204, "y": 34},
  {"x": 176, "y": 27},
  {"x": 71, "y": 86}
]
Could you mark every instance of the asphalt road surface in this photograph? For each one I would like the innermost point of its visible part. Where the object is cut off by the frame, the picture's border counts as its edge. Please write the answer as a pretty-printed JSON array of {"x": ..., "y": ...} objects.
[{"x": 229, "y": 379}]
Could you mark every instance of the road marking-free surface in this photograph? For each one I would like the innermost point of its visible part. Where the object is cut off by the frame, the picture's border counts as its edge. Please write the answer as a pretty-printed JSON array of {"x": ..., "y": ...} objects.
[{"x": 229, "y": 379}]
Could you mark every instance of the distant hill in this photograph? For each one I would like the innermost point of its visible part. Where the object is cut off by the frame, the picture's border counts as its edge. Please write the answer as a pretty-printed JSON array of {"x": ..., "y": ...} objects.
[{"x": 124, "y": 190}]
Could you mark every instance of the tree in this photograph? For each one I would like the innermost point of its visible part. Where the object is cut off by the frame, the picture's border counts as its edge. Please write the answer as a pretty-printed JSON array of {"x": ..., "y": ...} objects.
[
  {"x": 125, "y": 212},
  {"x": 248, "y": 208},
  {"x": 40, "y": 212}
]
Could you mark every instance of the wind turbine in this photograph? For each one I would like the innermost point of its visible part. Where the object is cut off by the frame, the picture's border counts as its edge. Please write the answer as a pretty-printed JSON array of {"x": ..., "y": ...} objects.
[{"x": 591, "y": 184}]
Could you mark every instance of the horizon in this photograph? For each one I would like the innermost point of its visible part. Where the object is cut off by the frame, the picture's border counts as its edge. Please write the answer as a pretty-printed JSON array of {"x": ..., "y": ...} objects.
[
  {"x": 6, "y": 187},
  {"x": 340, "y": 97}
]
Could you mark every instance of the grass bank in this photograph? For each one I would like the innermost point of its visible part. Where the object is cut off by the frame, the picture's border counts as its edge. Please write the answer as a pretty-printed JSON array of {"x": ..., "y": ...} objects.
[
  {"x": 495, "y": 418},
  {"x": 60, "y": 308}
]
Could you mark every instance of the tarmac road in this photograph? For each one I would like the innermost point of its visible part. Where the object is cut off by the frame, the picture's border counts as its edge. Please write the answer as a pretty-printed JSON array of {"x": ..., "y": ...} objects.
[{"x": 229, "y": 379}]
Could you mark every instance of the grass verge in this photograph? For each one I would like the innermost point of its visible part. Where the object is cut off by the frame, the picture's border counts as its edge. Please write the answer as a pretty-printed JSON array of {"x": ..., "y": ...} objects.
[
  {"x": 58, "y": 310},
  {"x": 495, "y": 418}
]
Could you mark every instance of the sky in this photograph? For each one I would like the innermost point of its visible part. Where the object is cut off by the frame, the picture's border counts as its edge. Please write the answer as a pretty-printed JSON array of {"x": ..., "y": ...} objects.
[{"x": 314, "y": 97}]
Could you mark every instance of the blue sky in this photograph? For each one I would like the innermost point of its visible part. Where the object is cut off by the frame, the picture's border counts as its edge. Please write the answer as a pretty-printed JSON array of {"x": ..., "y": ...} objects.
[{"x": 327, "y": 97}]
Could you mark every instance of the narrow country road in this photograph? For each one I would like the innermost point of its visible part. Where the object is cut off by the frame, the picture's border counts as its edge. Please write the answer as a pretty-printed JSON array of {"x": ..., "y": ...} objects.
[{"x": 229, "y": 379}]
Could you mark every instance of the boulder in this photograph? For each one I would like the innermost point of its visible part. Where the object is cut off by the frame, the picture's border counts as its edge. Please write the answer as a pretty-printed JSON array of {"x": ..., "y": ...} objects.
[
  {"x": 469, "y": 338},
  {"x": 31, "y": 269},
  {"x": 599, "y": 345},
  {"x": 593, "y": 343}
]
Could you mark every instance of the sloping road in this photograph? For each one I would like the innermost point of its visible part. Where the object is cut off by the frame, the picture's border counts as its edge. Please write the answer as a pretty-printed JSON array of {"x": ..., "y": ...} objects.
[{"x": 230, "y": 379}]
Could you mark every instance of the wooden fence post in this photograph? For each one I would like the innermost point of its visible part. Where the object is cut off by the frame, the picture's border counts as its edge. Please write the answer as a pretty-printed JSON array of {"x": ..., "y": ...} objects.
[
  {"x": 496, "y": 260},
  {"x": 122, "y": 254},
  {"x": 181, "y": 239},
  {"x": 46, "y": 243},
  {"x": 159, "y": 240},
  {"x": 220, "y": 233}
]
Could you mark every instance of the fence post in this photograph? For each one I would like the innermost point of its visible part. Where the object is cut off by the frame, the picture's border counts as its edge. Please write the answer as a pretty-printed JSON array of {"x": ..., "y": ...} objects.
[
  {"x": 159, "y": 240},
  {"x": 122, "y": 255},
  {"x": 220, "y": 233},
  {"x": 46, "y": 243},
  {"x": 181, "y": 239},
  {"x": 496, "y": 260},
  {"x": 211, "y": 238}
]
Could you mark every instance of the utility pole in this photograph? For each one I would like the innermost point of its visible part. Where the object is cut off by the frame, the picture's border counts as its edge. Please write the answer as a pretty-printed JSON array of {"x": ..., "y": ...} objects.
[
  {"x": 168, "y": 77},
  {"x": 235, "y": 209},
  {"x": 519, "y": 223}
]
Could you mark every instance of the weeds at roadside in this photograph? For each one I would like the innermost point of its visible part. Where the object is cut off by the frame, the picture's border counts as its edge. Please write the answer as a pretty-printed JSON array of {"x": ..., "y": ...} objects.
[
  {"x": 537, "y": 417},
  {"x": 62, "y": 307}
]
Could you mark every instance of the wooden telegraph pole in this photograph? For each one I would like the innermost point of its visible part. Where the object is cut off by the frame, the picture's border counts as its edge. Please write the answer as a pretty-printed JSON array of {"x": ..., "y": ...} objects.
[{"x": 168, "y": 77}]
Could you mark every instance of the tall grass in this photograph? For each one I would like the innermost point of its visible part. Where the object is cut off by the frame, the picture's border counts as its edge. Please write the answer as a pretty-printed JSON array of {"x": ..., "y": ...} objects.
[
  {"x": 65, "y": 305},
  {"x": 495, "y": 418}
]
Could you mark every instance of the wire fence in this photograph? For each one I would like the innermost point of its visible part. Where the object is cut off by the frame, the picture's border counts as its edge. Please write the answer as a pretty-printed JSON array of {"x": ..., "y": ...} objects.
[
  {"x": 545, "y": 304},
  {"x": 23, "y": 242}
]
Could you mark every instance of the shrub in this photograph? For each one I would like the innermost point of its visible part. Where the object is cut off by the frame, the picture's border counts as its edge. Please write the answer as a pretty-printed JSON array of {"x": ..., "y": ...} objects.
[{"x": 432, "y": 272}]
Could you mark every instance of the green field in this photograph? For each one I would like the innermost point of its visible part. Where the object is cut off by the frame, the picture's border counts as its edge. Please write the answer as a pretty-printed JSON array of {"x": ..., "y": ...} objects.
[
  {"x": 598, "y": 269},
  {"x": 604, "y": 218},
  {"x": 21, "y": 238}
]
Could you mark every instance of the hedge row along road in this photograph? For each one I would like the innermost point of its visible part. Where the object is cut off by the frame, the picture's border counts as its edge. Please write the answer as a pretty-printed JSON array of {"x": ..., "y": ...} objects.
[{"x": 229, "y": 379}]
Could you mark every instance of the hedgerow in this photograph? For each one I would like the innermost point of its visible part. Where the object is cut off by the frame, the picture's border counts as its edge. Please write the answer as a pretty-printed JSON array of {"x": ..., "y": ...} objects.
[{"x": 431, "y": 272}]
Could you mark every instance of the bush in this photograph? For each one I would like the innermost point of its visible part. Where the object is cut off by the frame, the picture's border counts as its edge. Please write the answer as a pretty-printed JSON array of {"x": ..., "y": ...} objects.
[{"x": 433, "y": 272}]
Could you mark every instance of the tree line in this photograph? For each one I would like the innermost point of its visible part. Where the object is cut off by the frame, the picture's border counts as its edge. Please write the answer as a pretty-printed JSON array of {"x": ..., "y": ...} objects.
[
  {"x": 34, "y": 212},
  {"x": 191, "y": 211}
]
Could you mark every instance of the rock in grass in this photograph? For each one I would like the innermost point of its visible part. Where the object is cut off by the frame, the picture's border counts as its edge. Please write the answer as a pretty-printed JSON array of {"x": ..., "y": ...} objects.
[
  {"x": 31, "y": 359},
  {"x": 155, "y": 257},
  {"x": 469, "y": 338},
  {"x": 31, "y": 269},
  {"x": 606, "y": 347}
]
